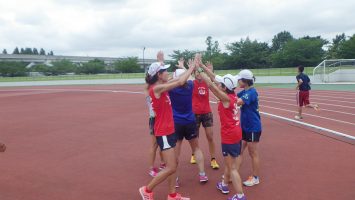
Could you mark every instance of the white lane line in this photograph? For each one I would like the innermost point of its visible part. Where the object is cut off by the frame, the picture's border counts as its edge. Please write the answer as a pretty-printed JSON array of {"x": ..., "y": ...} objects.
[
  {"x": 347, "y": 95},
  {"x": 325, "y": 98},
  {"x": 311, "y": 126},
  {"x": 316, "y": 116},
  {"x": 288, "y": 104},
  {"x": 306, "y": 124},
  {"x": 336, "y": 105},
  {"x": 73, "y": 90}
]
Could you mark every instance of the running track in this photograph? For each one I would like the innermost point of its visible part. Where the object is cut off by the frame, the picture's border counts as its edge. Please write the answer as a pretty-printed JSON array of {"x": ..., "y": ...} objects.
[{"x": 88, "y": 142}]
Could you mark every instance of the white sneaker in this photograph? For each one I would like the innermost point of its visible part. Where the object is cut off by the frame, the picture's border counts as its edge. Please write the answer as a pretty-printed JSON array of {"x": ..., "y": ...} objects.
[
  {"x": 298, "y": 117},
  {"x": 251, "y": 181}
]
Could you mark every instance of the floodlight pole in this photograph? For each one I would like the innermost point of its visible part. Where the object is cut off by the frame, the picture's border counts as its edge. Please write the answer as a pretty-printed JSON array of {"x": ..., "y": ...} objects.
[{"x": 145, "y": 70}]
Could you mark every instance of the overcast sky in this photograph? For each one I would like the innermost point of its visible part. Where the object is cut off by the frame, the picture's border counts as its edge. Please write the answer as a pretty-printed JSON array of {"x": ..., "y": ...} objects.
[{"x": 121, "y": 28}]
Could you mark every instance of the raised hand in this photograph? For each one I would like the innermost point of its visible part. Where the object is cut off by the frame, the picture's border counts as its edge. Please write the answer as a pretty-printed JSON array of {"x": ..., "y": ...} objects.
[
  {"x": 192, "y": 63},
  {"x": 209, "y": 65},
  {"x": 160, "y": 57},
  {"x": 181, "y": 64}
]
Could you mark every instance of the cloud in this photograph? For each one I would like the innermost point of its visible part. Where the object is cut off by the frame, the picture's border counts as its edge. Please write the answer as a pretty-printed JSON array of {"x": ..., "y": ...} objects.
[{"x": 122, "y": 28}]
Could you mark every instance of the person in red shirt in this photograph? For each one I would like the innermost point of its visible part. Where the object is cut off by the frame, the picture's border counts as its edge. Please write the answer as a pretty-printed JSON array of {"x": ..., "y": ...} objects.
[
  {"x": 203, "y": 114},
  {"x": 164, "y": 130},
  {"x": 231, "y": 133}
]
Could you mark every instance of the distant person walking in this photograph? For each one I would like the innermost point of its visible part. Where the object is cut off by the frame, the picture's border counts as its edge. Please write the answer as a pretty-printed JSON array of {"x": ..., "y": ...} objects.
[{"x": 303, "y": 87}]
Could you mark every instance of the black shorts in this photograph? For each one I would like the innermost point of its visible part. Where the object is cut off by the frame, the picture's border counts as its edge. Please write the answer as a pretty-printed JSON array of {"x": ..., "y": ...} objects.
[
  {"x": 187, "y": 131},
  {"x": 166, "y": 142},
  {"x": 232, "y": 149},
  {"x": 151, "y": 125},
  {"x": 205, "y": 119},
  {"x": 251, "y": 136}
]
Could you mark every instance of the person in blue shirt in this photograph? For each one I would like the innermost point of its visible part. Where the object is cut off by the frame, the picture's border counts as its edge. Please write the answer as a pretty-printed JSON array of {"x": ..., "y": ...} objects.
[
  {"x": 248, "y": 101},
  {"x": 185, "y": 122},
  {"x": 303, "y": 87}
]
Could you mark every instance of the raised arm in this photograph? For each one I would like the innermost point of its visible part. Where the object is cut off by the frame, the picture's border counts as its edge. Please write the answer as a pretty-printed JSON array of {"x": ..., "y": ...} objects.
[
  {"x": 208, "y": 69},
  {"x": 223, "y": 97},
  {"x": 179, "y": 82}
]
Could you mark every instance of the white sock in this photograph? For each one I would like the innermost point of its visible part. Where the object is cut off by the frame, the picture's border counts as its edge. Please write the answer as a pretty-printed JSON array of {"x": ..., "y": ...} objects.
[
  {"x": 202, "y": 174},
  {"x": 240, "y": 195},
  {"x": 224, "y": 184}
]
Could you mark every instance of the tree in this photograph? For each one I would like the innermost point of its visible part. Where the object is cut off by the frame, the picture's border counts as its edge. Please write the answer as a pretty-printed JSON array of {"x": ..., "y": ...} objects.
[
  {"x": 62, "y": 67},
  {"x": 35, "y": 51},
  {"x": 334, "y": 49},
  {"x": 16, "y": 51},
  {"x": 127, "y": 65},
  {"x": 11, "y": 69},
  {"x": 280, "y": 40},
  {"x": 51, "y": 53},
  {"x": 22, "y": 51},
  {"x": 46, "y": 70},
  {"x": 28, "y": 51},
  {"x": 4, "y": 51},
  {"x": 42, "y": 52},
  {"x": 248, "y": 54},
  {"x": 92, "y": 67},
  {"x": 303, "y": 51},
  {"x": 347, "y": 49}
]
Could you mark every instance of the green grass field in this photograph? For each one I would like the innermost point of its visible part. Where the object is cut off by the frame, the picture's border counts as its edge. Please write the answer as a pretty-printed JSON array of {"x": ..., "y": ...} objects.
[{"x": 257, "y": 72}]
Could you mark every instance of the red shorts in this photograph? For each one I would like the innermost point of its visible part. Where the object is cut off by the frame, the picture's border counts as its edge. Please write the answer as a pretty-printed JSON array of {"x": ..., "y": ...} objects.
[{"x": 302, "y": 98}]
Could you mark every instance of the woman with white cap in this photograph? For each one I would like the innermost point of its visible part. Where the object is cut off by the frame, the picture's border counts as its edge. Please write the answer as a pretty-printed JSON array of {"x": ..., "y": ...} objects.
[
  {"x": 164, "y": 130},
  {"x": 231, "y": 133},
  {"x": 248, "y": 100}
]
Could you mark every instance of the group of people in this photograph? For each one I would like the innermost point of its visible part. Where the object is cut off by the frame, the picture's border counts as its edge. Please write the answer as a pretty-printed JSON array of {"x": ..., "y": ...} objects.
[{"x": 178, "y": 106}]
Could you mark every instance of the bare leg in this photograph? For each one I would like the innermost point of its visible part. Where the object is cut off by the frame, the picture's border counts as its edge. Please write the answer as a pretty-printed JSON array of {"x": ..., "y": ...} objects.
[
  {"x": 300, "y": 111},
  {"x": 198, "y": 154},
  {"x": 240, "y": 157},
  {"x": 234, "y": 175},
  {"x": 211, "y": 144},
  {"x": 254, "y": 154},
  {"x": 152, "y": 152},
  {"x": 169, "y": 156}
]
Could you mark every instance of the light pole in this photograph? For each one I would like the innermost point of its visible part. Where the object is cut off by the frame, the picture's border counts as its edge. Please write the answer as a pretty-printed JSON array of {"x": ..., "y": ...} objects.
[{"x": 145, "y": 69}]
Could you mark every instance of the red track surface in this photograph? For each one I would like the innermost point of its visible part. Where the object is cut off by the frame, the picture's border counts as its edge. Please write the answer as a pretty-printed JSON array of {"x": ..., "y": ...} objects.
[{"x": 66, "y": 144}]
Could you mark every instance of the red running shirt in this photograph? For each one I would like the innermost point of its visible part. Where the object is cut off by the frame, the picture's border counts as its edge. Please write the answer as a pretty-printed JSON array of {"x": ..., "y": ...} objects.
[
  {"x": 200, "y": 98},
  {"x": 231, "y": 131},
  {"x": 164, "y": 122}
]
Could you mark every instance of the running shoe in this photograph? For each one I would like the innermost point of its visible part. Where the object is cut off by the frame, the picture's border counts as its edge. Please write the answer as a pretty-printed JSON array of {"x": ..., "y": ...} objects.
[
  {"x": 214, "y": 164},
  {"x": 235, "y": 197},
  {"x": 223, "y": 188},
  {"x": 203, "y": 179},
  {"x": 153, "y": 172},
  {"x": 298, "y": 117},
  {"x": 145, "y": 195},
  {"x": 162, "y": 166},
  {"x": 193, "y": 160},
  {"x": 177, "y": 184},
  {"x": 251, "y": 181},
  {"x": 178, "y": 197}
]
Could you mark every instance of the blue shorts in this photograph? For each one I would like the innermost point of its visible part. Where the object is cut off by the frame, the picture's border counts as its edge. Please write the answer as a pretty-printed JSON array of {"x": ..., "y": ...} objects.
[
  {"x": 251, "y": 136},
  {"x": 232, "y": 149},
  {"x": 166, "y": 142},
  {"x": 187, "y": 131}
]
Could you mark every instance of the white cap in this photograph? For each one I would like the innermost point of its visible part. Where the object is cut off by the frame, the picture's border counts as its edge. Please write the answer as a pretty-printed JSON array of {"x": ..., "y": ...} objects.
[
  {"x": 228, "y": 80},
  {"x": 178, "y": 73},
  {"x": 156, "y": 67},
  {"x": 245, "y": 74}
]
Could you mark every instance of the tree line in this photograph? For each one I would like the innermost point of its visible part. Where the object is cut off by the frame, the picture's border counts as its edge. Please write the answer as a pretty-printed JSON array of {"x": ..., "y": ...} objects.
[
  {"x": 63, "y": 67},
  {"x": 284, "y": 51},
  {"x": 29, "y": 51}
]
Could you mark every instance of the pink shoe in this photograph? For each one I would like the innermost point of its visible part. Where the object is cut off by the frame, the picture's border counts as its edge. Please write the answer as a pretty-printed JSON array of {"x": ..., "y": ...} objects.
[
  {"x": 153, "y": 172},
  {"x": 145, "y": 195},
  {"x": 178, "y": 197},
  {"x": 203, "y": 179},
  {"x": 162, "y": 166}
]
